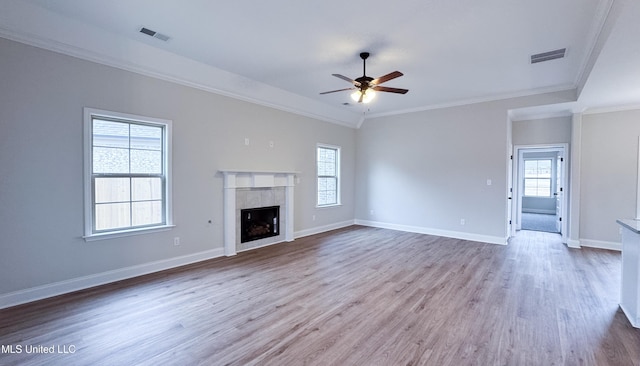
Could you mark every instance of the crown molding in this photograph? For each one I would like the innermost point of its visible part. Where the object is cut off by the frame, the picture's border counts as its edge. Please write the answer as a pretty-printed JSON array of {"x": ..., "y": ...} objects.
[
  {"x": 51, "y": 32},
  {"x": 612, "y": 109},
  {"x": 491, "y": 98}
]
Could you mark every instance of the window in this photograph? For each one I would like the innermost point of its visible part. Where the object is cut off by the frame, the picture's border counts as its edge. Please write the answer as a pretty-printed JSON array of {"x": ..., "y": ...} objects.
[
  {"x": 537, "y": 178},
  {"x": 328, "y": 163},
  {"x": 127, "y": 174}
]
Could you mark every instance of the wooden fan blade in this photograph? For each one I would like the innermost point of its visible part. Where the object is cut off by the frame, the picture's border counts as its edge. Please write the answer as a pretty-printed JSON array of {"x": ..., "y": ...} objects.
[
  {"x": 356, "y": 83},
  {"x": 339, "y": 90},
  {"x": 385, "y": 78},
  {"x": 390, "y": 90}
]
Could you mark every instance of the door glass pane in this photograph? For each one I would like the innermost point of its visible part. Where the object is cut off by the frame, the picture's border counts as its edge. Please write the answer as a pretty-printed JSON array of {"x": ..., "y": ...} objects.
[
  {"x": 544, "y": 168},
  {"x": 544, "y": 187}
]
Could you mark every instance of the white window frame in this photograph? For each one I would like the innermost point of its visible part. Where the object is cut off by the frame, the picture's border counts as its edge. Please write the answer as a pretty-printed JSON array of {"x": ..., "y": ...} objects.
[
  {"x": 89, "y": 115},
  {"x": 550, "y": 179},
  {"x": 337, "y": 176}
]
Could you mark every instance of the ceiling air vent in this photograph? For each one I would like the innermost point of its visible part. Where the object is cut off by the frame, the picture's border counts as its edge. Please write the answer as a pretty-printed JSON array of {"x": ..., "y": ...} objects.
[
  {"x": 547, "y": 56},
  {"x": 154, "y": 34}
]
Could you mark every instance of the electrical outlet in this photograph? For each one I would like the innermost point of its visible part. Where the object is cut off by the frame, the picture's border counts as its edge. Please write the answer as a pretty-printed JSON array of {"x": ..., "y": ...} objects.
[
  {"x": 246, "y": 141},
  {"x": 371, "y": 212},
  {"x": 176, "y": 241},
  {"x": 313, "y": 218},
  {"x": 462, "y": 221}
]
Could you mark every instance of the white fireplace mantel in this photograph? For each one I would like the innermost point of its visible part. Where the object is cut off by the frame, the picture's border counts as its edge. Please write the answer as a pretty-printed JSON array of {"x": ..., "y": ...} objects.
[{"x": 235, "y": 179}]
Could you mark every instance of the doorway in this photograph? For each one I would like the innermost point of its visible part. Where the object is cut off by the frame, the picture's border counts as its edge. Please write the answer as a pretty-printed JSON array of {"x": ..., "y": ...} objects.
[{"x": 539, "y": 189}]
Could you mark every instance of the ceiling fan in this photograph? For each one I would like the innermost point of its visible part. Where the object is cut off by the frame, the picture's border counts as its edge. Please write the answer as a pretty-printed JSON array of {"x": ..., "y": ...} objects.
[{"x": 365, "y": 86}]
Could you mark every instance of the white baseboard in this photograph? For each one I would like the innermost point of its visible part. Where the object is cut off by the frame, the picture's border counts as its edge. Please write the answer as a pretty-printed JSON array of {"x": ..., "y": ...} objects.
[
  {"x": 635, "y": 322},
  {"x": 437, "y": 232},
  {"x": 610, "y": 245},
  {"x": 85, "y": 282},
  {"x": 81, "y": 283},
  {"x": 322, "y": 229},
  {"x": 572, "y": 243}
]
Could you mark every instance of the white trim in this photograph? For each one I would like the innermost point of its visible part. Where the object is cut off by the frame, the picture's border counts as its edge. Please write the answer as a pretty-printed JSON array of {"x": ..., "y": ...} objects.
[
  {"x": 518, "y": 175},
  {"x": 635, "y": 322},
  {"x": 575, "y": 244},
  {"x": 124, "y": 233},
  {"x": 236, "y": 178},
  {"x": 85, "y": 282},
  {"x": 266, "y": 244},
  {"x": 469, "y": 101},
  {"x": 88, "y": 114},
  {"x": 574, "y": 181},
  {"x": 338, "y": 176},
  {"x": 600, "y": 244},
  {"x": 150, "y": 61},
  {"x": 437, "y": 232},
  {"x": 611, "y": 109},
  {"x": 638, "y": 184},
  {"x": 597, "y": 36},
  {"x": 322, "y": 229}
]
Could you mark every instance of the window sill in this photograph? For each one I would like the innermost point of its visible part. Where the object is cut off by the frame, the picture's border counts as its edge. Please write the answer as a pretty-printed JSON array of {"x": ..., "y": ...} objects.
[
  {"x": 329, "y": 206},
  {"x": 125, "y": 233}
]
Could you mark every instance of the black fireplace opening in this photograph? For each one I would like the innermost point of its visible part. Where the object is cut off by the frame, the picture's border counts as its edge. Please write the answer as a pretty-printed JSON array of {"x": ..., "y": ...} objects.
[{"x": 259, "y": 223}]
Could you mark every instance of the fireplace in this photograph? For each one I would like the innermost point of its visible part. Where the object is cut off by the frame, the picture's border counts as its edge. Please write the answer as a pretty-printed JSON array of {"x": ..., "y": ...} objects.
[
  {"x": 255, "y": 189},
  {"x": 259, "y": 223}
]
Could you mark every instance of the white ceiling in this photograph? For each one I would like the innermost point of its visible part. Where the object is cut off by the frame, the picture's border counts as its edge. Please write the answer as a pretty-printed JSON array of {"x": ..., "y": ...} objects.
[{"x": 282, "y": 53}]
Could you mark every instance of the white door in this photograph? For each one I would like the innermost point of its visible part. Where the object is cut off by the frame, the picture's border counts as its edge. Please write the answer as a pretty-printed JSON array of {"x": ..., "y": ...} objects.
[
  {"x": 510, "y": 224},
  {"x": 559, "y": 191},
  {"x": 559, "y": 177}
]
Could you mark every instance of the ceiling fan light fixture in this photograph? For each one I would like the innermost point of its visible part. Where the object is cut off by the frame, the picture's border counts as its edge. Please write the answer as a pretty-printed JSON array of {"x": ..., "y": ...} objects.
[
  {"x": 367, "y": 95},
  {"x": 364, "y": 86}
]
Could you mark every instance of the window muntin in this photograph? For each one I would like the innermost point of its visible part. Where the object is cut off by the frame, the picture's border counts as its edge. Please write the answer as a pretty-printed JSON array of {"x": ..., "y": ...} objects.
[
  {"x": 127, "y": 174},
  {"x": 537, "y": 178},
  {"x": 328, "y": 167}
]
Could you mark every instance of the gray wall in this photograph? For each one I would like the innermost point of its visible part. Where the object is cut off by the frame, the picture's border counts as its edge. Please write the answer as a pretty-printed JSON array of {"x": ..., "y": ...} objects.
[
  {"x": 609, "y": 171},
  {"x": 430, "y": 169},
  {"x": 41, "y": 189},
  {"x": 542, "y": 131}
]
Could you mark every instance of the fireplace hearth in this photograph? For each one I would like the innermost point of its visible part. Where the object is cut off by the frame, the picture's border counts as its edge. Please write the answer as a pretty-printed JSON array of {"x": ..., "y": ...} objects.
[{"x": 259, "y": 223}]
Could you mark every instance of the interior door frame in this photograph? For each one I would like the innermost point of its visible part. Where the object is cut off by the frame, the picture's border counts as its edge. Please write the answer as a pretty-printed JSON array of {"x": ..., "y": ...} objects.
[{"x": 518, "y": 175}]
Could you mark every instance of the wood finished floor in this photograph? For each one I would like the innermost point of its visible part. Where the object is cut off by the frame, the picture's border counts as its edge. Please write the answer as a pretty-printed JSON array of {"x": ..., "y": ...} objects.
[{"x": 355, "y": 296}]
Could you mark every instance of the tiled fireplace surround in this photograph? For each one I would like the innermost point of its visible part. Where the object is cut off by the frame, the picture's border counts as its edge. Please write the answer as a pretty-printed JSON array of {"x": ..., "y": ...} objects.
[{"x": 253, "y": 189}]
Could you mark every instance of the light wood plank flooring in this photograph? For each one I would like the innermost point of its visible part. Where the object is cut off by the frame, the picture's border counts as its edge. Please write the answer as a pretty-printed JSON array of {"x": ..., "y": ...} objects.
[{"x": 355, "y": 296}]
